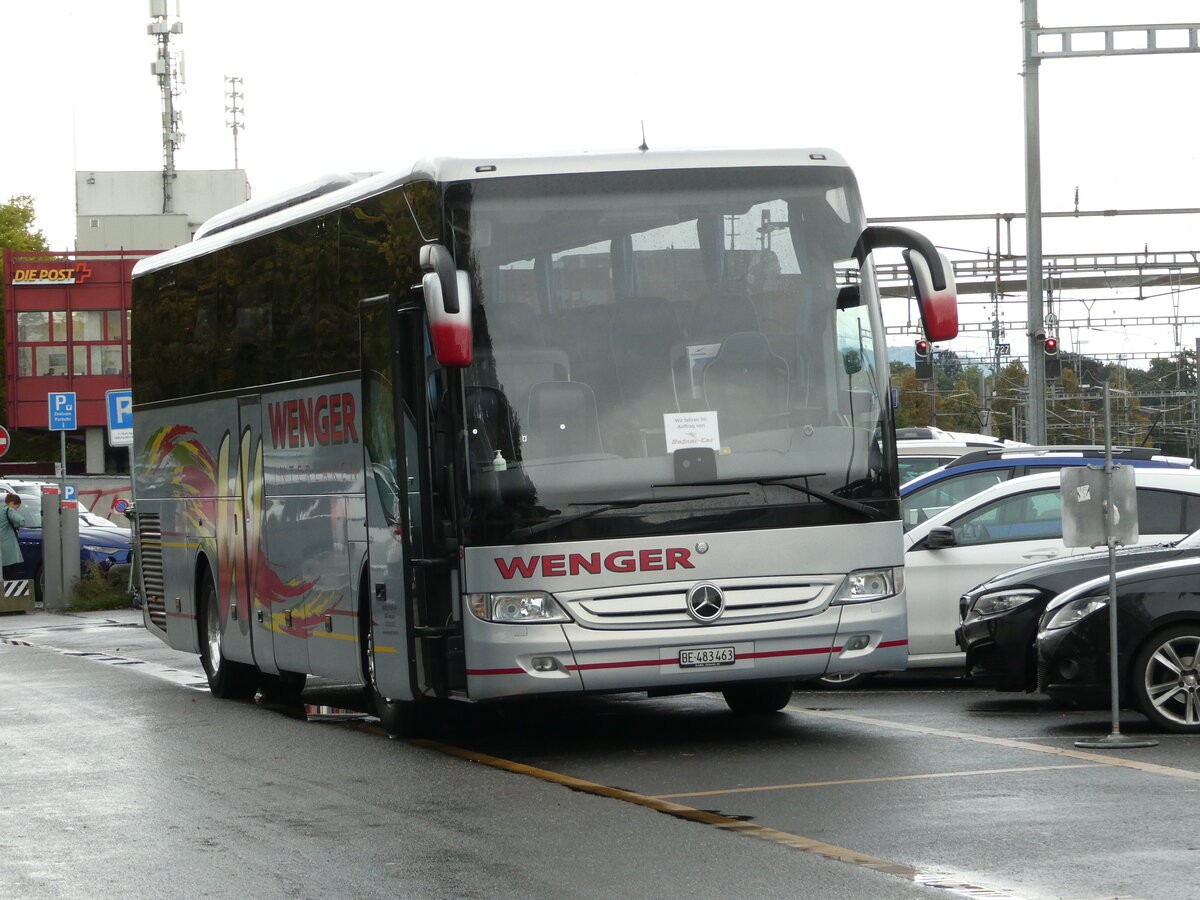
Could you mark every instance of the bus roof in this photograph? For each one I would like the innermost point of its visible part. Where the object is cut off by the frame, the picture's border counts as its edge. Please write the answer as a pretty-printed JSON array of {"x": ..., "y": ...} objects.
[{"x": 331, "y": 192}]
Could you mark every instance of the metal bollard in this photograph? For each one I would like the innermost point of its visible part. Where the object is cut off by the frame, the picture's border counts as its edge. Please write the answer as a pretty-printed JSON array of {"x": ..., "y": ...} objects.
[{"x": 52, "y": 553}]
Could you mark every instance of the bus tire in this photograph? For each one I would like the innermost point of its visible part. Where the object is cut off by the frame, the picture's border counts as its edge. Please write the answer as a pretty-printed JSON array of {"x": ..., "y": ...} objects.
[
  {"x": 757, "y": 699},
  {"x": 286, "y": 687},
  {"x": 227, "y": 679},
  {"x": 399, "y": 718}
]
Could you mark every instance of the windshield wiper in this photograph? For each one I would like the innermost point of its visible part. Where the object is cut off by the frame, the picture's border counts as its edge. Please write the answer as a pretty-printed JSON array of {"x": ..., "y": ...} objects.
[
  {"x": 520, "y": 535},
  {"x": 788, "y": 481}
]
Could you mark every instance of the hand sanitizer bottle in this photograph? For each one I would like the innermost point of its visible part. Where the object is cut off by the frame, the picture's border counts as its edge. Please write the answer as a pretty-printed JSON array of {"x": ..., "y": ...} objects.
[{"x": 499, "y": 464}]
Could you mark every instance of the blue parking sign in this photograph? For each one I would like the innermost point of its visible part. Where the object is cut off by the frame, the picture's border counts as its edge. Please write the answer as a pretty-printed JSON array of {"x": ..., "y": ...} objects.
[
  {"x": 120, "y": 417},
  {"x": 62, "y": 411}
]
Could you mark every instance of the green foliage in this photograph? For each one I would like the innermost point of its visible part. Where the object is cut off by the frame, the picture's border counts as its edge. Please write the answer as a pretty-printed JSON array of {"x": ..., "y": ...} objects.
[
  {"x": 100, "y": 590},
  {"x": 16, "y": 233},
  {"x": 16, "y": 226}
]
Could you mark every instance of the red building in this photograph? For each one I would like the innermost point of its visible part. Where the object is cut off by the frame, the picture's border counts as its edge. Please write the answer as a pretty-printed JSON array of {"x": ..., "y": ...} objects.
[{"x": 66, "y": 318}]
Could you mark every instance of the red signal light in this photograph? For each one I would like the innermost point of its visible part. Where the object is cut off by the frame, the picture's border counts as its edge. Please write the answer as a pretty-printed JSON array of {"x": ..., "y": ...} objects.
[
  {"x": 1051, "y": 346},
  {"x": 922, "y": 348}
]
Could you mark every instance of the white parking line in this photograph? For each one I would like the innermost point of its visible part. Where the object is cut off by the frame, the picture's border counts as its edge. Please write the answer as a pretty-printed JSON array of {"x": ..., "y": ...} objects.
[{"x": 1098, "y": 758}]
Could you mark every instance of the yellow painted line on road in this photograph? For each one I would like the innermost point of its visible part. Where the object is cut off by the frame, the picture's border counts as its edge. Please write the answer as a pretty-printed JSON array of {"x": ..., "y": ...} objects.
[
  {"x": 885, "y": 778},
  {"x": 1068, "y": 752},
  {"x": 704, "y": 817}
]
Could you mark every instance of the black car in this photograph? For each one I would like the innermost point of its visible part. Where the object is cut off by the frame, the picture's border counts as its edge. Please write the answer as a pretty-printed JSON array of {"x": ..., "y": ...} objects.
[
  {"x": 1158, "y": 644},
  {"x": 1000, "y": 617}
]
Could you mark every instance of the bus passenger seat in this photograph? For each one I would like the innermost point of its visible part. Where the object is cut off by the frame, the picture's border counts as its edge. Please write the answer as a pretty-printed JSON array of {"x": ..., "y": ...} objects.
[
  {"x": 716, "y": 316},
  {"x": 643, "y": 332},
  {"x": 520, "y": 353},
  {"x": 562, "y": 420},
  {"x": 745, "y": 382}
]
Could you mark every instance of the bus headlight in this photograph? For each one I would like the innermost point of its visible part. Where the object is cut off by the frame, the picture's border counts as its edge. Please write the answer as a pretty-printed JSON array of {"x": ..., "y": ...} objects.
[
  {"x": 520, "y": 607},
  {"x": 870, "y": 584}
]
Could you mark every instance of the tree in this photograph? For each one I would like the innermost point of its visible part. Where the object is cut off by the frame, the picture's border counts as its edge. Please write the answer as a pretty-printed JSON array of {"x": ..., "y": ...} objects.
[
  {"x": 1009, "y": 401},
  {"x": 16, "y": 226},
  {"x": 17, "y": 233}
]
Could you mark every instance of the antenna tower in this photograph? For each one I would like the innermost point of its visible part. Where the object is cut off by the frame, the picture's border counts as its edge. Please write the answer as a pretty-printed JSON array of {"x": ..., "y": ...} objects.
[
  {"x": 169, "y": 72},
  {"x": 233, "y": 96}
]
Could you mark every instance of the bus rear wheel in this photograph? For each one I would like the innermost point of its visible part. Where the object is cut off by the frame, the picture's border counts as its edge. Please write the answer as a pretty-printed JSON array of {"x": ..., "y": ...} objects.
[
  {"x": 286, "y": 687},
  {"x": 226, "y": 679},
  {"x": 757, "y": 699}
]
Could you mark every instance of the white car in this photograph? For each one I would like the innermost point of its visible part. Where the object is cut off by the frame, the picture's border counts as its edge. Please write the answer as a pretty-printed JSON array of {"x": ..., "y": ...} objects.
[{"x": 1012, "y": 524}]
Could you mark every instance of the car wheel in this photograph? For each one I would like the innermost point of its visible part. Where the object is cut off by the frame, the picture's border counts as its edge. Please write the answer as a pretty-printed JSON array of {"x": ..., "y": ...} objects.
[
  {"x": 843, "y": 681},
  {"x": 39, "y": 585},
  {"x": 1166, "y": 679},
  {"x": 226, "y": 679},
  {"x": 757, "y": 699}
]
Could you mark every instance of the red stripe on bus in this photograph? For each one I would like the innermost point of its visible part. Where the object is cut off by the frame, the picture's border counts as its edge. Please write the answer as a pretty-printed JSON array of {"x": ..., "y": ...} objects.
[
  {"x": 635, "y": 663},
  {"x": 771, "y": 653}
]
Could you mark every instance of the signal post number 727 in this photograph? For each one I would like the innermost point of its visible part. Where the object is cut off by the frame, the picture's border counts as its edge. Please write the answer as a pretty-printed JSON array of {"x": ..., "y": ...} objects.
[{"x": 494, "y": 428}]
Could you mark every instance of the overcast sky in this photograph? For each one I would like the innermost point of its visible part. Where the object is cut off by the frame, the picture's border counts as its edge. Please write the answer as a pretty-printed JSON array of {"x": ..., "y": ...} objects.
[{"x": 923, "y": 97}]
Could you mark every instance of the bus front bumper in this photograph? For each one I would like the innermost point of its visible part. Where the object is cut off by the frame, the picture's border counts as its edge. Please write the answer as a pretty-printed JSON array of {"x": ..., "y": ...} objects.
[{"x": 524, "y": 660}]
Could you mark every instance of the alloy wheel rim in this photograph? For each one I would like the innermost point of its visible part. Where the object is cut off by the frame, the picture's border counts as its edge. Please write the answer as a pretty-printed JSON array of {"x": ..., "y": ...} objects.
[{"x": 1172, "y": 679}]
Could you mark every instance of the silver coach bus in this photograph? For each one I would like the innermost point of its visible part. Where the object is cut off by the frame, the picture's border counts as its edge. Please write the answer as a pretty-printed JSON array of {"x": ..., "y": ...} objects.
[{"x": 507, "y": 427}]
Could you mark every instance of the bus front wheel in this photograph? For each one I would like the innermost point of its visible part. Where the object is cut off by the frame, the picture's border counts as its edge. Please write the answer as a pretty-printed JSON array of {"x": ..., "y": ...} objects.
[
  {"x": 757, "y": 699},
  {"x": 226, "y": 679}
]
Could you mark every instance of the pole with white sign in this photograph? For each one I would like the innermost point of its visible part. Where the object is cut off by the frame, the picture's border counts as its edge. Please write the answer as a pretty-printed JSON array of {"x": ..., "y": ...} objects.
[
  {"x": 57, "y": 545},
  {"x": 1113, "y": 528},
  {"x": 61, "y": 418},
  {"x": 119, "y": 405}
]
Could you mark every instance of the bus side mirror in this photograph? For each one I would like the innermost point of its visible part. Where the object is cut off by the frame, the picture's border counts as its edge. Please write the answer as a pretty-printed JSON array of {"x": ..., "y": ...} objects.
[
  {"x": 448, "y": 306},
  {"x": 931, "y": 273},
  {"x": 939, "y": 306}
]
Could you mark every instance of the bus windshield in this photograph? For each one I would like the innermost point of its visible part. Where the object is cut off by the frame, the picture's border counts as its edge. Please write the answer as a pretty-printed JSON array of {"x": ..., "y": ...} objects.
[{"x": 670, "y": 351}]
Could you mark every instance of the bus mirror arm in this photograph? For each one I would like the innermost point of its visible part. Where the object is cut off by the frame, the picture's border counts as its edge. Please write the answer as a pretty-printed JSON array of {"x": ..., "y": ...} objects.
[
  {"x": 931, "y": 272},
  {"x": 447, "y": 293}
]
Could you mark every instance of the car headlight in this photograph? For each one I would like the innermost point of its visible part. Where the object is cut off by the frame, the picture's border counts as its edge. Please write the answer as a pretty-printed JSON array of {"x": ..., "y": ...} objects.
[
  {"x": 1070, "y": 613},
  {"x": 995, "y": 603},
  {"x": 516, "y": 607},
  {"x": 870, "y": 584}
]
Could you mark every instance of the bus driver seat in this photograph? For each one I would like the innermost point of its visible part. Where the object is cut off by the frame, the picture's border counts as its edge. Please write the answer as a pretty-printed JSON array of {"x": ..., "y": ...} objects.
[
  {"x": 562, "y": 420},
  {"x": 745, "y": 382}
]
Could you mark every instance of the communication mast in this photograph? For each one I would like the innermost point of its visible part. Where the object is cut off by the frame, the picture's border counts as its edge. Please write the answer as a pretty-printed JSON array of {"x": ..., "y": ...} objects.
[
  {"x": 233, "y": 96},
  {"x": 169, "y": 72}
]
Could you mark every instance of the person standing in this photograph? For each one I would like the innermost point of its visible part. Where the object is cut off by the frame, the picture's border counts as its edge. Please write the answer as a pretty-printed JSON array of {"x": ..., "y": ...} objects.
[{"x": 10, "y": 544}]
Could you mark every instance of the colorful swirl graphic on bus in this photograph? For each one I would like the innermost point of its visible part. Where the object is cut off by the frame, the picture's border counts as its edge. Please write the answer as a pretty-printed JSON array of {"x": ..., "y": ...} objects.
[{"x": 209, "y": 489}]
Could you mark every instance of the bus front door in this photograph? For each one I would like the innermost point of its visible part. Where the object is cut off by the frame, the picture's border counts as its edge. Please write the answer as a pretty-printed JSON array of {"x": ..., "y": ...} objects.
[{"x": 387, "y": 581}]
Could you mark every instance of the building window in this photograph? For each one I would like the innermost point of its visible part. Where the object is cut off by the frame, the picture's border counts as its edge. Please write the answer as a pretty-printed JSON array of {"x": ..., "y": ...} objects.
[
  {"x": 50, "y": 360},
  {"x": 41, "y": 339},
  {"x": 41, "y": 326},
  {"x": 95, "y": 334}
]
